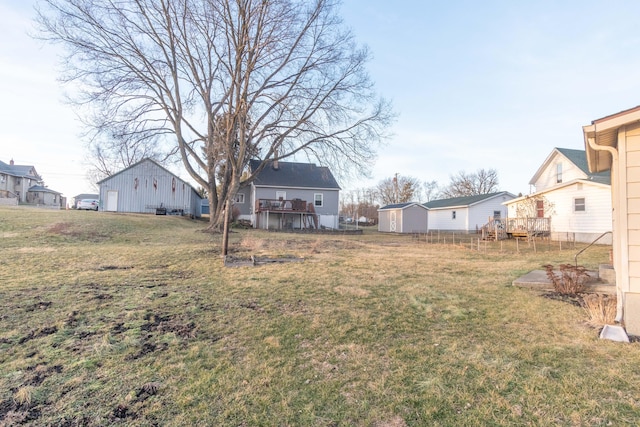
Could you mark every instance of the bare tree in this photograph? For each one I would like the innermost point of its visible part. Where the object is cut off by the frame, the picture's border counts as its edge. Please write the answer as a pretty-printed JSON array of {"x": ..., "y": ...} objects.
[
  {"x": 431, "y": 191},
  {"x": 398, "y": 189},
  {"x": 220, "y": 82},
  {"x": 484, "y": 181},
  {"x": 534, "y": 206},
  {"x": 106, "y": 157},
  {"x": 360, "y": 203}
]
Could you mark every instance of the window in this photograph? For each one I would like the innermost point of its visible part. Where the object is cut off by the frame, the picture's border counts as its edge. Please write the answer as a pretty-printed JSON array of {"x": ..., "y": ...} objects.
[
  {"x": 540, "y": 208},
  {"x": 497, "y": 214},
  {"x": 281, "y": 195},
  {"x": 453, "y": 215},
  {"x": 318, "y": 199},
  {"x": 559, "y": 173},
  {"x": 239, "y": 198},
  {"x": 579, "y": 204}
]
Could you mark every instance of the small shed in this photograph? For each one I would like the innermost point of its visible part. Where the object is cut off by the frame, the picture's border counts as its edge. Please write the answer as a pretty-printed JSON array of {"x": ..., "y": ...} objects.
[
  {"x": 147, "y": 187},
  {"x": 467, "y": 213},
  {"x": 410, "y": 217}
]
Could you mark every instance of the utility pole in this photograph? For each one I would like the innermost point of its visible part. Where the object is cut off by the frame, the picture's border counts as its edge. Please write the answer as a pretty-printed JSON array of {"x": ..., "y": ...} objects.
[{"x": 396, "y": 191}]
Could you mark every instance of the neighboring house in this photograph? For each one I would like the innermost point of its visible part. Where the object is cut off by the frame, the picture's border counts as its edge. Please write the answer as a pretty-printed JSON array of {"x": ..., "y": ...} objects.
[
  {"x": 43, "y": 196},
  {"x": 408, "y": 217},
  {"x": 467, "y": 214},
  {"x": 578, "y": 202},
  {"x": 15, "y": 181},
  {"x": 21, "y": 184},
  {"x": 76, "y": 199},
  {"x": 613, "y": 144},
  {"x": 289, "y": 195},
  {"x": 147, "y": 187}
]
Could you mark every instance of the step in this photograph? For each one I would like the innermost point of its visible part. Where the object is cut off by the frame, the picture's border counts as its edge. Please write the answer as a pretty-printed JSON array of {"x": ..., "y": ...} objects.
[{"x": 537, "y": 279}]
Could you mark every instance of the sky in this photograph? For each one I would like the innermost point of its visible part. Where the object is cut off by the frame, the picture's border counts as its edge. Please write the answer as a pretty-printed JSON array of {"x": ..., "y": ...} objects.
[{"x": 490, "y": 84}]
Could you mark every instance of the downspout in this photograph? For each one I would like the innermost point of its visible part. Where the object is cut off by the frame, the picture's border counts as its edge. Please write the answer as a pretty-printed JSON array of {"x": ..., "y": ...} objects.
[{"x": 615, "y": 185}]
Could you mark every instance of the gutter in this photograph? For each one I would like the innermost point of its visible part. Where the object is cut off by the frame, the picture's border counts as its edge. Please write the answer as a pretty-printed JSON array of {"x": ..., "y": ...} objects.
[{"x": 616, "y": 212}]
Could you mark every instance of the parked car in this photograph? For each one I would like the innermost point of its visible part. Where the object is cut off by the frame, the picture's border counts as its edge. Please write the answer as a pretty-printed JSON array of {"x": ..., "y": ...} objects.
[{"x": 88, "y": 204}]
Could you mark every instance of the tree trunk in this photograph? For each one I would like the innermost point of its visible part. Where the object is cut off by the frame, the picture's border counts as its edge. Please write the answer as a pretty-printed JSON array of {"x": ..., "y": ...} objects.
[{"x": 225, "y": 233}]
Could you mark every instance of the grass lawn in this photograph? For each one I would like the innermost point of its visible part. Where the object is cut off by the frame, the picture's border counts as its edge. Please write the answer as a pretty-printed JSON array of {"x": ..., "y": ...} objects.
[{"x": 133, "y": 320}]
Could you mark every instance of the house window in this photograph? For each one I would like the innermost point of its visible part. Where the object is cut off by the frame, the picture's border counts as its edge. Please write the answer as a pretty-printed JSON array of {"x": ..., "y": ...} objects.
[
  {"x": 318, "y": 199},
  {"x": 453, "y": 215},
  {"x": 497, "y": 214},
  {"x": 239, "y": 199},
  {"x": 579, "y": 204},
  {"x": 281, "y": 195},
  {"x": 559, "y": 173},
  {"x": 540, "y": 208}
]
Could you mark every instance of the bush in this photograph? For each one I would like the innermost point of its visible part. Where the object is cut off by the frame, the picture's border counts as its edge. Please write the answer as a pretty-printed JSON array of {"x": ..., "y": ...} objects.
[
  {"x": 601, "y": 309},
  {"x": 571, "y": 279}
]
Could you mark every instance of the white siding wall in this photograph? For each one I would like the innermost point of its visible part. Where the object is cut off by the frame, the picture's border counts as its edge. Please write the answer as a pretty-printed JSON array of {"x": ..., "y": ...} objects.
[
  {"x": 479, "y": 214},
  {"x": 441, "y": 219},
  {"x": 566, "y": 224},
  {"x": 548, "y": 177}
]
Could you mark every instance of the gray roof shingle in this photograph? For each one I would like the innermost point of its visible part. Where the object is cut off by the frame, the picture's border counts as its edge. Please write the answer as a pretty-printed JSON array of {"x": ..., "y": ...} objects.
[{"x": 291, "y": 174}]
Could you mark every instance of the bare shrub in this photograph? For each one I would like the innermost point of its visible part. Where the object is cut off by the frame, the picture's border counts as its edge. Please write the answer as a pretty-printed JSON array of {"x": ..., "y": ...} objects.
[
  {"x": 571, "y": 279},
  {"x": 23, "y": 396},
  {"x": 600, "y": 309}
]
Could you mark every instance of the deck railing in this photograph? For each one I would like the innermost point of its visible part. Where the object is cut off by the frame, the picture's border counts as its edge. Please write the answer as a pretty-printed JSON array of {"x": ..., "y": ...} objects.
[
  {"x": 497, "y": 229},
  {"x": 277, "y": 205}
]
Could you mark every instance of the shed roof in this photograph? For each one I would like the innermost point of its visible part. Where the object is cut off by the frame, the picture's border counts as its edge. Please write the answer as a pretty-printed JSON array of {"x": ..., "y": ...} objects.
[
  {"x": 463, "y": 201},
  {"x": 43, "y": 189},
  {"x": 292, "y": 174},
  {"x": 401, "y": 206}
]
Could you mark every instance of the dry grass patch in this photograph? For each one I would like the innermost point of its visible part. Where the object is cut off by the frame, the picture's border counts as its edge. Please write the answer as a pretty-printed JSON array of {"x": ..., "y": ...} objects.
[
  {"x": 147, "y": 327},
  {"x": 600, "y": 309}
]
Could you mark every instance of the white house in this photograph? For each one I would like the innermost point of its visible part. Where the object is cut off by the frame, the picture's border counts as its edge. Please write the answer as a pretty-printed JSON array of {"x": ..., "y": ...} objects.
[
  {"x": 467, "y": 214},
  {"x": 146, "y": 187},
  {"x": 408, "y": 217},
  {"x": 577, "y": 201},
  {"x": 613, "y": 145}
]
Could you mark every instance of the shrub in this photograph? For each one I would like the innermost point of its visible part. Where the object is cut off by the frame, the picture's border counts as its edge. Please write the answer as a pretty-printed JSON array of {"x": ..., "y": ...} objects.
[
  {"x": 600, "y": 308},
  {"x": 571, "y": 279}
]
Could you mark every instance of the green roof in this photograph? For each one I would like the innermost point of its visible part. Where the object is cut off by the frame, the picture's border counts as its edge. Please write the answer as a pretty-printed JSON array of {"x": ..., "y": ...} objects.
[
  {"x": 579, "y": 158},
  {"x": 461, "y": 201}
]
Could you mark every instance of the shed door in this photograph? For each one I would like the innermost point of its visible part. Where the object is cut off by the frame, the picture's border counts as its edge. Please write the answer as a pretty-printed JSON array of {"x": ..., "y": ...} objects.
[
  {"x": 392, "y": 221},
  {"x": 112, "y": 201}
]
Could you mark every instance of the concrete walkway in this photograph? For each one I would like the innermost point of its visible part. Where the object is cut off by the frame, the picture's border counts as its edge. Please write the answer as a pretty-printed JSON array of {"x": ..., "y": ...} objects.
[{"x": 537, "y": 279}]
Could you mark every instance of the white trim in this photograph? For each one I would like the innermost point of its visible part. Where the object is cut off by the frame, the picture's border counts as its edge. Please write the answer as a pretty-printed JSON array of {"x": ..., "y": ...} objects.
[{"x": 315, "y": 200}]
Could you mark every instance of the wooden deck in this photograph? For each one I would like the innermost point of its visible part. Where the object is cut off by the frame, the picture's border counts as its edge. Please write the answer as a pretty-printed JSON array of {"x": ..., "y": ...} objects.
[
  {"x": 516, "y": 228},
  {"x": 290, "y": 214}
]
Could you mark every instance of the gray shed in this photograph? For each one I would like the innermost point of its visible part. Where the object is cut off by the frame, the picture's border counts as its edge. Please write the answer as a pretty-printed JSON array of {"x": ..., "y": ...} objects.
[
  {"x": 147, "y": 187},
  {"x": 410, "y": 217}
]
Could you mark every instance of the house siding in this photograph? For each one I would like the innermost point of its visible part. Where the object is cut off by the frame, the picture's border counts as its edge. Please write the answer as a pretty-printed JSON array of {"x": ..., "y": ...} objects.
[
  {"x": 568, "y": 225},
  {"x": 548, "y": 177},
  {"x": 632, "y": 156},
  {"x": 327, "y": 213},
  {"x": 468, "y": 218},
  {"x": 144, "y": 187},
  {"x": 482, "y": 212},
  {"x": 441, "y": 219}
]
